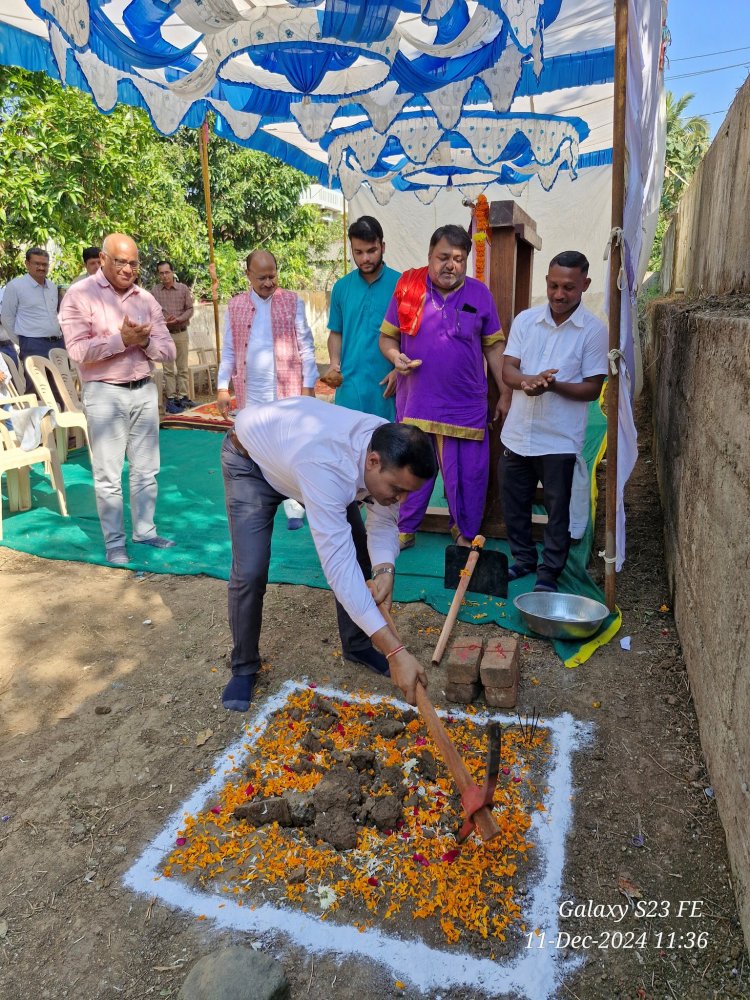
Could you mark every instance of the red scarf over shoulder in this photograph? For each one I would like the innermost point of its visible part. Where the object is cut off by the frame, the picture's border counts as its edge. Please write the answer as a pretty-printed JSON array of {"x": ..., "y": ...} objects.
[{"x": 411, "y": 294}]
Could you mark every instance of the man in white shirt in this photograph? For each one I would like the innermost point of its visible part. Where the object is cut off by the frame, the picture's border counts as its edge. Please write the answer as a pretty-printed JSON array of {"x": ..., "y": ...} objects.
[
  {"x": 268, "y": 351},
  {"x": 29, "y": 309},
  {"x": 329, "y": 458},
  {"x": 555, "y": 363},
  {"x": 6, "y": 344},
  {"x": 6, "y": 379}
]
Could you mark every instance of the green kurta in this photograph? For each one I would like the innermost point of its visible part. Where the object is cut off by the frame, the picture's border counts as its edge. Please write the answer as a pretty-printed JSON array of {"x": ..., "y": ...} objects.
[{"x": 356, "y": 312}]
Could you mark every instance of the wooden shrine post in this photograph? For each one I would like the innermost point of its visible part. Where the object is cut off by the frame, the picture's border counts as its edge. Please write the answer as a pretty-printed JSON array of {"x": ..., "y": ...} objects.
[{"x": 514, "y": 240}]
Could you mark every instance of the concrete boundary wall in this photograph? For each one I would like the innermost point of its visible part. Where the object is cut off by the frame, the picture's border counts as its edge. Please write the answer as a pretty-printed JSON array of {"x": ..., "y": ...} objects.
[
  {"x": 698, "y": 359},
  {"x": 707, "y": 248}
]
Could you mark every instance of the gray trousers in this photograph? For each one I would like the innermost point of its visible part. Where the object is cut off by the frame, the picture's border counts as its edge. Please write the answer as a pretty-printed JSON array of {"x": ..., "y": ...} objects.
[
  {"x": 123, "y": 421},
  {"x": 176, "y": 372},
  {"x": 251, "y": 505}
]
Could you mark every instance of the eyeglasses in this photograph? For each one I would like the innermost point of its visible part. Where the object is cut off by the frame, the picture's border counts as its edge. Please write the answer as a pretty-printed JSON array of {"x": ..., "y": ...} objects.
[{"x": 119, "y": 263}]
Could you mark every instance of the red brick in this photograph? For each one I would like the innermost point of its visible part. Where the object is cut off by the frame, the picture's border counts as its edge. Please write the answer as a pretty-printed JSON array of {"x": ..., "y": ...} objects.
[
  {"x": 464, "y": 657},
  {"x": 500, "y": 664},
  {"x": 462, "y": 694},
  {"x": 505, "y": 697}
]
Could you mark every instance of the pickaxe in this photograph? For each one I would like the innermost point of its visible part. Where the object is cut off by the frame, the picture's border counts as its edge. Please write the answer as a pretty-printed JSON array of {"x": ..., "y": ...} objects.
[{"x": 476, "y": 801}]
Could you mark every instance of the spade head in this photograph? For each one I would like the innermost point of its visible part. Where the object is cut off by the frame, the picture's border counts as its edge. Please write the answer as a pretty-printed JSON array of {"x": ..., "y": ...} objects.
[{"x": 490, "y": 574}]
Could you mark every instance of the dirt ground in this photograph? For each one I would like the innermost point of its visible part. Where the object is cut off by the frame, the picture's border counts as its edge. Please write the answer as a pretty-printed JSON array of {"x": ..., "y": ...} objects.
[{"x": 106, "y": 680}]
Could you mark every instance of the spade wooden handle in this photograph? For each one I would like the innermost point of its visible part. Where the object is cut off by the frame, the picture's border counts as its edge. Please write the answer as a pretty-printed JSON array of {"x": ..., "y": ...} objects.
[{"x": 463, "y": 585}]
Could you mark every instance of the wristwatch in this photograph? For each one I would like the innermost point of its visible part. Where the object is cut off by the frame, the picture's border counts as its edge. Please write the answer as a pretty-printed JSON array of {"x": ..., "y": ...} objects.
[{"x": 383, "y": 569}]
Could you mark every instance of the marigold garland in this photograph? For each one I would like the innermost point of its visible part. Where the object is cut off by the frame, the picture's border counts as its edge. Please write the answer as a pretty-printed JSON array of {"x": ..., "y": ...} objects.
[
  {"x": 481, "y": 235},
  {"x": 417, "y": 867}
]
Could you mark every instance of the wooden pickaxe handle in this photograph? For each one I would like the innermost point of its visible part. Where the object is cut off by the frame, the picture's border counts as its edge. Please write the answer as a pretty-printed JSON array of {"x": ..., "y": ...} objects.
[
  {"x": 486, "y": 825},
  {"x": 463, "y": 585}
]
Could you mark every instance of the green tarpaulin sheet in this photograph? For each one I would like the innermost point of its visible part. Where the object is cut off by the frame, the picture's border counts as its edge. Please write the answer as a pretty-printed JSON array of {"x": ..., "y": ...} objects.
[{"x": 191, "y": 511}]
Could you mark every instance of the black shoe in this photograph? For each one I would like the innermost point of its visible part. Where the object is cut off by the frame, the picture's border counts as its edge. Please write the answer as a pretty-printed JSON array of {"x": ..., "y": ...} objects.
[
  {"x": 238, "y": 693},
  {"x": 545, "y": 587},
  {"x": 515, "y": 572},
  {"x": 371, "y": 659},
  {"x": 185, "y": 403},
  {"x": 173, "y": 406}
]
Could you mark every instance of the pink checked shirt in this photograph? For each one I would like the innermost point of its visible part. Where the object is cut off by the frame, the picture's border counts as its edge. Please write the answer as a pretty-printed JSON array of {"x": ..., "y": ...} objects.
[{"x": 91, "y": 315}]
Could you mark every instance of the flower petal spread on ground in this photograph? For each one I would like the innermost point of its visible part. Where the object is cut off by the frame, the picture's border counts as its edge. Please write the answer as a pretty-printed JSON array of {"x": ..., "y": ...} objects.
[{"x": 417, "y": 869}]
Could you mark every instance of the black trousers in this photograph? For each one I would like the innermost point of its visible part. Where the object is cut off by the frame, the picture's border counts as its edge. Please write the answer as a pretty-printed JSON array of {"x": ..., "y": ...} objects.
[
  {"x": 251, "y": 506},
  {"x": 520, "y": 475}
]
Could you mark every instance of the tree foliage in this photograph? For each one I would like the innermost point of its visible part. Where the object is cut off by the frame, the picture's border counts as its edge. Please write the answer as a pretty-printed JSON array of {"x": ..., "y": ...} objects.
[
  {"x": 69, "y": 175},
  {"x": 687, "y": 140},
  {"x": 255, "y": 205}
]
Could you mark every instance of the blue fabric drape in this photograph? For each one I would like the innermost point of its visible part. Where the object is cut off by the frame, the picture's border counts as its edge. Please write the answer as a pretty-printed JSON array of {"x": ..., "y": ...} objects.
[{"x": 346, "y": 28}]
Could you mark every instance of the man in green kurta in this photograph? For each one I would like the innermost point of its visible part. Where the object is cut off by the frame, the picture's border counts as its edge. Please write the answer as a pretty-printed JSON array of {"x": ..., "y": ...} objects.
[{"x": 358, "y": 304}]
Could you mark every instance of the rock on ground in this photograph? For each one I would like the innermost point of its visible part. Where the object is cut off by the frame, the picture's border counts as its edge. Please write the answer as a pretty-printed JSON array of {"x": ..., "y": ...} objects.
[{"x": 236, "y": 974}]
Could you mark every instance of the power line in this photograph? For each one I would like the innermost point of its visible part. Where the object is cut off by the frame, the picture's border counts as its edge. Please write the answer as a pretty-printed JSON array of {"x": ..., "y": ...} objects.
[
  {"x": 702, "y": 72},
  {"x": 705, "y": 55}
]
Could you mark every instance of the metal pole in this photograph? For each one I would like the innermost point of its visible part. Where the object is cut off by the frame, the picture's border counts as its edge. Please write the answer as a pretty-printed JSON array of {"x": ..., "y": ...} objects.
[
  {"x": 615, "y": 263},
  {"x": 203, "y": 147},
  {"x": 346, "y": 261}
]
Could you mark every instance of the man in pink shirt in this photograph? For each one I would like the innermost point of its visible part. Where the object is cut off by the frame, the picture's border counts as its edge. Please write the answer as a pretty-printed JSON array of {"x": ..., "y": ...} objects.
[{"x": 114, "y": 331}]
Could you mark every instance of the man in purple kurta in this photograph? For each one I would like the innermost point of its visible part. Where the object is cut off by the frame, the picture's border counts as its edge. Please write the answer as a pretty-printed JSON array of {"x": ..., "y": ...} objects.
[{"x": 447, "y": 324}]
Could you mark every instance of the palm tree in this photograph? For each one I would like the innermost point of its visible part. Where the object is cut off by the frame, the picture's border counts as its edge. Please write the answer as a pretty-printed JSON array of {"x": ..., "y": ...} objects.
[{"x": 687, "y": 142}]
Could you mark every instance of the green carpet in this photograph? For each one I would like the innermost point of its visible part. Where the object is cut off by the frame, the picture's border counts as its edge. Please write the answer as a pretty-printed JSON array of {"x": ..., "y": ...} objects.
[{"x": 191, "y": 511}]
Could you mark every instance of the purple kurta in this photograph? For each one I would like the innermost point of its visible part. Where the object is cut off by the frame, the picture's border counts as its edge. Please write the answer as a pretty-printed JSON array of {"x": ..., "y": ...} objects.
[{"x": 447, "y": 396}]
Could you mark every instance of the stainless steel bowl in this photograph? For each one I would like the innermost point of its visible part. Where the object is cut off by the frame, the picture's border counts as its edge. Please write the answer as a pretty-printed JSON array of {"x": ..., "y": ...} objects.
[{"x": 561, "y": 616}]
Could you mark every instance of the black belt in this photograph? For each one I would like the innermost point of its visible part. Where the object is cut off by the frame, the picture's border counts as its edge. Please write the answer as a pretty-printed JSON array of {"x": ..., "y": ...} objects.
[
  {"x": 238, "y": 444},
  {"x": 135, "y": 384}
]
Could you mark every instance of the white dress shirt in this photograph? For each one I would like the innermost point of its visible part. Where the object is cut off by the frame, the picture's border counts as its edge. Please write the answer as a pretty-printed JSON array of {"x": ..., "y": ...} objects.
[
  {"x": 30, "y": 309},
  {"x": 7, "y": 380},
  {"x": 315, "y": 453},
  {"x": 5, "y": 337},
  {"x": 550, "y": 424},
  {"x": 260, "y": 374}
]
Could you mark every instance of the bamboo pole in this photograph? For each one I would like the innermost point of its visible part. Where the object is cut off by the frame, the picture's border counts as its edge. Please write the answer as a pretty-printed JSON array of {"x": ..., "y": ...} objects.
[
  {"x": 615, "y": 297},
  {"x": 203, "y": 147}
]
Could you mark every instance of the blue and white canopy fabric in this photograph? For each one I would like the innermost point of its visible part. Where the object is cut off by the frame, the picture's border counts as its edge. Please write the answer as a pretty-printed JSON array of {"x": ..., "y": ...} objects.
[
  {"x": 406, "y": 96},
  {"x": 397, "y": 104}
]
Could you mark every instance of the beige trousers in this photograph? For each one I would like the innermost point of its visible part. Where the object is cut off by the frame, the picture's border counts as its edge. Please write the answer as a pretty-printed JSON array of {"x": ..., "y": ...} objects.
[{"x": 177, "y": 386}]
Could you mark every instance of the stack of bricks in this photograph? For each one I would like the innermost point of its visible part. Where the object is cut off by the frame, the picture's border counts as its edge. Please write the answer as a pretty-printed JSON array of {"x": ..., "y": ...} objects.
[
  {"x": 495, "y": 667},
  {"x": 500, "y": 672},
  {"x": 464, "y": 659}
]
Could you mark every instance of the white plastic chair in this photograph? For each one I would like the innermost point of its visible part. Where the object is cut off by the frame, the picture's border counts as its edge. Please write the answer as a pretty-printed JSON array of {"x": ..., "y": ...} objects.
[
  {"x": 68, "y": 412},
  {"x": 16, "y": 373},
  {"x": 15, "y": 462},
  {"x": 68, "y": 372},
  {"x": 206, "y": 365}
]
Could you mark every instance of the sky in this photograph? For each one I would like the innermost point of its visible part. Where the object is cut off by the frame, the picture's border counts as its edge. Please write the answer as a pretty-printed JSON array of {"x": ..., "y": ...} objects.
[{"x": 700, "y": 28}]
